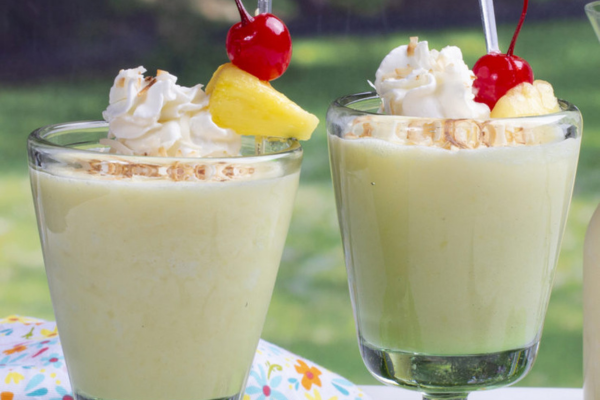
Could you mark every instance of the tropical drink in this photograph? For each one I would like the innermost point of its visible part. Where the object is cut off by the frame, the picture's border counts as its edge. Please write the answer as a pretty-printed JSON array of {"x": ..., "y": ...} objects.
[
  {"x": 159, "y": 276},
  {"x": 163, "y": 228},
  {"x": 451, "y": 219}
]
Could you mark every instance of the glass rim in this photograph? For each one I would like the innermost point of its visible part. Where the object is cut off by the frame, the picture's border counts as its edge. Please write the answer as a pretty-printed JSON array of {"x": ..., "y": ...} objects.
[
  {"x": 590, "y": 8},
  {"x": 38, "y": 138},
  {"x": 344, "y": 102}
]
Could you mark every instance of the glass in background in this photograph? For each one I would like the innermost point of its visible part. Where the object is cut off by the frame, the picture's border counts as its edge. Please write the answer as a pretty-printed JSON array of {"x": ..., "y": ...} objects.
[{"x": 591, "y": 278}]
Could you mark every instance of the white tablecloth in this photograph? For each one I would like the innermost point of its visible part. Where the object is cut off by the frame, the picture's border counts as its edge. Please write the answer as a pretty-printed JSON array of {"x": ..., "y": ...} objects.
[{"x": 391, "y": 393}]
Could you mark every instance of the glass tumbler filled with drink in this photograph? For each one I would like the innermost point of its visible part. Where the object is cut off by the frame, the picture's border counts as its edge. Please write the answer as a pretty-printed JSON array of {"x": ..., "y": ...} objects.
[
  {"x": 160, "y": 269},
  {"x": 451, "y": 226},
  {"x": 163, "y": 228},
  {"x": 591, "y": 278},
  {"x": 592, "y": 10}
]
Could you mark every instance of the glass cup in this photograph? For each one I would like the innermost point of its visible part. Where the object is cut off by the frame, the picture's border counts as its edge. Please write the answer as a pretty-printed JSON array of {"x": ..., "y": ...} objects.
[
  {"x": 591, "y": 309},
  {"x": 451, "y": 232},
  {"x": 161, "y": 270},
  {"x": 593, "y": 12},
  {"x": 591, "y": 281}
]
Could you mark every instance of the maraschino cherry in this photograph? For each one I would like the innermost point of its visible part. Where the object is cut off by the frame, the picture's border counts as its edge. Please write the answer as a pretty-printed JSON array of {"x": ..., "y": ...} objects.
[
  {"x": 260, "y": 45},
  {"x": 497, "y": 73}
]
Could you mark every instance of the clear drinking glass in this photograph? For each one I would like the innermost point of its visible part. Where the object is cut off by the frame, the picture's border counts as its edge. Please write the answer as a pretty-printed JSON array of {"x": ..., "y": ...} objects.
[
  {"x": 591, "y": 281},
  {"x": 161, "y": 270},
  {"x": 451, "y": 232},
  {"x": 593, "y": 12}
]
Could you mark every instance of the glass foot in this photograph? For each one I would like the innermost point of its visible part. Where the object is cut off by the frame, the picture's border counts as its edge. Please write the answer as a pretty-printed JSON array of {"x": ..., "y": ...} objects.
[
  {"x": 82, "y": 397},
  {"x": 447, "y": 377},
  {"x": 449, "y": 396}
]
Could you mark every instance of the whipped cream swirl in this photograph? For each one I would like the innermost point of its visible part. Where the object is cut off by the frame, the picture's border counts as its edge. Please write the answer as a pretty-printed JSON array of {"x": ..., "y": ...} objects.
[
  {"x": 414, "y": 81},
  {"x": 154, "y": 116}
]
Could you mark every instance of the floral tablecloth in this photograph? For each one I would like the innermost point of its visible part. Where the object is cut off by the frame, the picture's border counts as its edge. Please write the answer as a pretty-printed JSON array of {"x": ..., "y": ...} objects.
[{"x": 32, "y": 366}]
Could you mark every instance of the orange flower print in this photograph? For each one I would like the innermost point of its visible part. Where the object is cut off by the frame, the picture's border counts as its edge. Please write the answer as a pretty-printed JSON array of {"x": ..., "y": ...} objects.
[
  {"x": 17, "y": 349},
  {"x": 7, "y": 396},
  {"x": 13, "y": 319},
  {"x": 311, "y": 375}
]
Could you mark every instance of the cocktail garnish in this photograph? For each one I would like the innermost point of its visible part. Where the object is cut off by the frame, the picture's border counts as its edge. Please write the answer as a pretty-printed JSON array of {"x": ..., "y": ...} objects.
[
  {"x": 260, "y": 45},
  {"x": 497, "y": 73}
]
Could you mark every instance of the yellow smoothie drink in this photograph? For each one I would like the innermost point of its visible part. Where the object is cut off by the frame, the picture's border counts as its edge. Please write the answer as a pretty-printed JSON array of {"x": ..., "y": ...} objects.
[
  {"x": 451, "y": 252},
  {"x": 162, "y": 232},
  {"x": 451, "y": 216},
  {"x": 161, "y": 288}
]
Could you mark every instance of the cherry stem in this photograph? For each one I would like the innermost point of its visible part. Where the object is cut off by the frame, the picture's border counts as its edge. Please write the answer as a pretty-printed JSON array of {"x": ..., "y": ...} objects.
[
  {"x": 511, "y": 48},
  {"x": 246, "y": 18}
]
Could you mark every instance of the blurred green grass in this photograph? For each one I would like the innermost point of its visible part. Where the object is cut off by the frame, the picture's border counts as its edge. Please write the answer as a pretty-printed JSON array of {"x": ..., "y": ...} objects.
[{"x": 311, "y": 313}]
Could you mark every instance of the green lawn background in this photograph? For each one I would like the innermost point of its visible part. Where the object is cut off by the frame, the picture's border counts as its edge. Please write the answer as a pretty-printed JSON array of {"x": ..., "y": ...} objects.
[{"x": 310, "y": 313}]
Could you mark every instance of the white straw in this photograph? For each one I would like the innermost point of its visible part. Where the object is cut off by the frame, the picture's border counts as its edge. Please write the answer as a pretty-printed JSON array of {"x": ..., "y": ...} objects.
[
  {"x": 264, "y": 6},
  {"x": 489, "y": 25}
]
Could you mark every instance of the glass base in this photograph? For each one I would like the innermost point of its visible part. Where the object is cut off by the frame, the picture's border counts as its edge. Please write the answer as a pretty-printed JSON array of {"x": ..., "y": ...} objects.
[
  {"x": 440, "y": 376},
  {"x": 82, "y": 397}
]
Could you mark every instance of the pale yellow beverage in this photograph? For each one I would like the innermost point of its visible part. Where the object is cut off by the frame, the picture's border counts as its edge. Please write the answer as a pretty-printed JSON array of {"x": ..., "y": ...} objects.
[
  {"x": 452, "y": 252},
  {"x": 161, "y": 278},
  {"x": 451, "y": 231},
  {"x": 591, "y": 310}
]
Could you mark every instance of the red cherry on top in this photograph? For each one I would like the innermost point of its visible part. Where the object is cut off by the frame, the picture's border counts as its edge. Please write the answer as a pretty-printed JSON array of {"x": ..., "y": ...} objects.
[
  {"x": 260, "y": 45},
  {"x": 497, "y": 73}
]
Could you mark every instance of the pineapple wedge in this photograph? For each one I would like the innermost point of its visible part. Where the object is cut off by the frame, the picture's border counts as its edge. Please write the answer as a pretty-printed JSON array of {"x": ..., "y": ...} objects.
[
  {"x": 526, "y": 99},
  {"x": 245, "y": 104}
]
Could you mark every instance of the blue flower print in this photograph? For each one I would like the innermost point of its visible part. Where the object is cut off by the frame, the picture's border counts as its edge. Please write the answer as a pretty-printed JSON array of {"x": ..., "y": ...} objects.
[
  {"x": 44, "y": 343},
  {"x": 6, "y": 332},
  {"x": 264, "y": 389},
  {"x": 7, "y": 362},
  {"x": 63, "y": 393},
  {"x": 53, "y": 359},
  {"x": 33, "y": 382},
  {"x": 294, "y": 382},
  {"x": 339, "y": 382}
]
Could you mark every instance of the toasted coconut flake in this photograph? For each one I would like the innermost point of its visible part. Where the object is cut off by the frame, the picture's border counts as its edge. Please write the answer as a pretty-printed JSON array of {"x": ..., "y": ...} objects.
[
  {"x": 410, "y": 50},
  {"x": 204, "y": 172},
  {"x": 367, "y": 129},
  {"x": 177, "y": 171},
  {"x": 180, "y": 172},
  {"x": 244, "y": 170},
  {"x": 449, "y": 134},
  {"x": 453, "y": 142},
  {"x": 466, "y": 132},
  {"x": 400, "y": 131},
  {"x": 149, "y": 81},
  {"x": 147, "y": 170},
  {"x": 106, "y": 167},
  {"x": 228, "y": 171},
  {"x": 223, "y": 172},
  {"x": 419, "y": 134}
]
